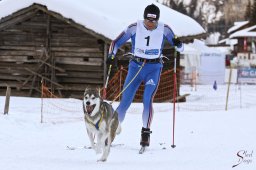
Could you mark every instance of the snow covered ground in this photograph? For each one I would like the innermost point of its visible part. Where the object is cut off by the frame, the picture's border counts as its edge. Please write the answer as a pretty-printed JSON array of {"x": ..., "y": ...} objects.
[{"x": 207, "y": 136}]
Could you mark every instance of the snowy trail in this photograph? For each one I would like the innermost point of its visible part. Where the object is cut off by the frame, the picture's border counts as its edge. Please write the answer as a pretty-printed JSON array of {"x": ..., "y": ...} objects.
[{"x": 205, "y": 140}]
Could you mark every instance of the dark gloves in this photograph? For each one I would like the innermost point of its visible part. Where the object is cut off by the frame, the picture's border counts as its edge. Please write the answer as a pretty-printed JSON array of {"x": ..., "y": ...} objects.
[
  {"x": 176, "y": 41},
  {"x": 110, "y": 60}
]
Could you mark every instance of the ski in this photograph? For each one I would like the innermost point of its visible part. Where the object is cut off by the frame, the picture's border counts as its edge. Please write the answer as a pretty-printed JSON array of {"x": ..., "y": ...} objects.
[{"x": 142, "y": 150}]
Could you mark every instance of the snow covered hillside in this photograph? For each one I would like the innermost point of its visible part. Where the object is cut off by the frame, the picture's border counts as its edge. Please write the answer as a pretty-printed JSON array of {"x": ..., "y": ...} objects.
[{"x": 207, "y": 138}]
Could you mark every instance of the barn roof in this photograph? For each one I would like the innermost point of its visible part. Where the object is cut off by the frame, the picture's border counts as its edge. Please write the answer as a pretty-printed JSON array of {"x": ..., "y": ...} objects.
[
  {"x": 237, "y": 25},
  {"x": 247, "y": 32},
  {"x": 107, "y": 18}
]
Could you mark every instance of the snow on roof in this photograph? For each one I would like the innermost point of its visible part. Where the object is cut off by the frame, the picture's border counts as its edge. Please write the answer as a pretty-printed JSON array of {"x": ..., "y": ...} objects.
[
  {"x": 202, "y": 47},
  {"x": 228, "y": 41},
  {"x": 188, "y": 49},
  {"x": 224, "y": 50},
  {"x": 233, "y": 42},
  {"x": 108, "y": 17},
  {"x": 223, "y": 41},
  {"x": 247, "y": 32},
  {"x": 237, "y": 25}
]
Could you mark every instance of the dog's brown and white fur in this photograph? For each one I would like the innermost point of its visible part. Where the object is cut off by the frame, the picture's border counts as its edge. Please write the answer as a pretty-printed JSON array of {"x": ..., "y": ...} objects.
[{"x": 101, "y": 121}]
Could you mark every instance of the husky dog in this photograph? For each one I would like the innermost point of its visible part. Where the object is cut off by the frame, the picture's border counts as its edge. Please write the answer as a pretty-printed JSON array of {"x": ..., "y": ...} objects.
[{"x": 101, "y": 121}]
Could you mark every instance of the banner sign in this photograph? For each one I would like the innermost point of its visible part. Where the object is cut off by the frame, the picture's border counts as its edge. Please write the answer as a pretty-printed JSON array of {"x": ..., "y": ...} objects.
[{"x": 246, "y": 75}]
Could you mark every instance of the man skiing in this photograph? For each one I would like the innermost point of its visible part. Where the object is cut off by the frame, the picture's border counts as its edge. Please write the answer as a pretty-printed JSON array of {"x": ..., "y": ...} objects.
[{"x": 147, "y": 37}]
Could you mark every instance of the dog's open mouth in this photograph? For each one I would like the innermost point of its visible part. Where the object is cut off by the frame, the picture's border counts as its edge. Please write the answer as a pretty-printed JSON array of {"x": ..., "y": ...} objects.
[{"x": 90, "y": 108}]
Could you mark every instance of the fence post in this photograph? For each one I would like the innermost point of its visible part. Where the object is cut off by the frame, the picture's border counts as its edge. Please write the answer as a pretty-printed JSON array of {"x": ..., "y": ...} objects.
[
  {"x": 42, "y": 99},
  {"x": 229, "y": 81},
  {"x": 7, "y": 100}
]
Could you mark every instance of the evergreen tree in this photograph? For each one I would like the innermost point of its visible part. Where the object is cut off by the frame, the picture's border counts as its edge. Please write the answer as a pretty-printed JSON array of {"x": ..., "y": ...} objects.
[
  {"x": 182, "y": 9},
  {"x": 178, "y": 6},
  {"x": 173, "y": 5},
  {"x": 192, "y": 9},
  {"x": 248, "y": 11},
  {"x": 253, "y": 13}
]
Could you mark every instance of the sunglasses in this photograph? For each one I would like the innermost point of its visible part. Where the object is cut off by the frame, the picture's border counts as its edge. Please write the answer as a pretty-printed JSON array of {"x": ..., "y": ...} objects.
[{"x": 153, "y": 21}]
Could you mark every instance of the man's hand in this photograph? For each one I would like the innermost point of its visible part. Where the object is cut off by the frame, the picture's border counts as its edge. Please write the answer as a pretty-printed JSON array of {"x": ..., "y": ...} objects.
[
  {"x": 176, "y": 41},
  {"x": 110, "y": 60}
]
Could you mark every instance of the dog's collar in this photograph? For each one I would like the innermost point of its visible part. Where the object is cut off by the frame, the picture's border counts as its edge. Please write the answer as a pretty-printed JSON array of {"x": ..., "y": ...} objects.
[{"x": 97, "y": 124}]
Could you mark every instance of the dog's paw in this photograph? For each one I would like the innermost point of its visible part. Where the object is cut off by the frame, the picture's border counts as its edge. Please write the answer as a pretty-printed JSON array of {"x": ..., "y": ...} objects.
[{"x": 102, "y": 159}]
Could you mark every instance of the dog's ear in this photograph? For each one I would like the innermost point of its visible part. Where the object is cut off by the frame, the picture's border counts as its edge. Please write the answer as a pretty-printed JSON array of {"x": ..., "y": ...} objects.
[
  {"x": 86, "y": 89},
  {"x": 98, "y": 89}
]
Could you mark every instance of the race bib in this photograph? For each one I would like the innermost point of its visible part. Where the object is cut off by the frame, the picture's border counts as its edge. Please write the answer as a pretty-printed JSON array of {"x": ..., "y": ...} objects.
[{"x": 148, "y": 43}]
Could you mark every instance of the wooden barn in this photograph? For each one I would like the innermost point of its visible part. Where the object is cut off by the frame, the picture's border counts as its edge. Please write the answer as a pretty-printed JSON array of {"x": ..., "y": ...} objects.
[{"x": 38, "y": 44}]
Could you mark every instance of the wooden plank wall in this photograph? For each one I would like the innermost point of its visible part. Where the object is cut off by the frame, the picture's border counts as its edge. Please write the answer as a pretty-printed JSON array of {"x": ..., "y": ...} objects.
[{"x": 43, "y": 46}]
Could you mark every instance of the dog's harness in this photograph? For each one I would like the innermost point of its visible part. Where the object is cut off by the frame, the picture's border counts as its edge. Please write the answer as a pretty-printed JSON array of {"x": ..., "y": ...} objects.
[{"x": 97, "y": 125}]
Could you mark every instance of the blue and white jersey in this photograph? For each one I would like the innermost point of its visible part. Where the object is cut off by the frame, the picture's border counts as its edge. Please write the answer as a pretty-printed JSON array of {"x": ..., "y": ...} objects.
[{"x": 145, "y": 43}]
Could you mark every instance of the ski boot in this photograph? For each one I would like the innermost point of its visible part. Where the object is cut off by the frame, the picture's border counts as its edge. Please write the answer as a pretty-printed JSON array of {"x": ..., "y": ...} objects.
[{"x": 145, "y": 137}]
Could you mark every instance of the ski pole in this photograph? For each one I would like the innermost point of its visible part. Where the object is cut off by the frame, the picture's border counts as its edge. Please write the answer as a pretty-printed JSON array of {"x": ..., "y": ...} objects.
[
  {"x": 106, "y": 83},
  {"x": 174, "y": 97}
]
